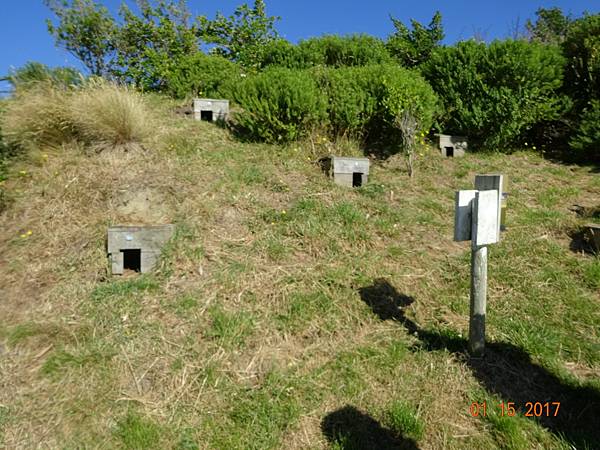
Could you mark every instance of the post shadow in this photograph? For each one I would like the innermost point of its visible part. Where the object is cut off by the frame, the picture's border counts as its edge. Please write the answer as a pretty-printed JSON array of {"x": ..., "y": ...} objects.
[
  {"x": 353, "y": 429},
  {"x": 505, "y": 370}
]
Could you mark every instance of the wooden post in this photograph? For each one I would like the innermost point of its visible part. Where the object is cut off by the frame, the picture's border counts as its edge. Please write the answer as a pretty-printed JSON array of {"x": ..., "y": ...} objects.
[
  {"x": 477, "y": 218},
  {"x": 484, "y": 228},
  {"x": 478, "y": 300}
]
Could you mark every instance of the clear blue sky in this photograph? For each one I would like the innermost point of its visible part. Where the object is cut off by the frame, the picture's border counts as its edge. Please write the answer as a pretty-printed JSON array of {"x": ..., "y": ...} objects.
[{"x": 25, "y": 38}]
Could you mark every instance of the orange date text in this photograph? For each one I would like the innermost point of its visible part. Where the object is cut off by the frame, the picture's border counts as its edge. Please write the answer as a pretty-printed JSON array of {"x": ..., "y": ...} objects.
[{"x": 530, "y": 409}]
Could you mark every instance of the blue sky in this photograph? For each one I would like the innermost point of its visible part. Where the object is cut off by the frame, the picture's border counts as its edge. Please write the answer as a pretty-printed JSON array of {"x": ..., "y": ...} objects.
[{"x": 25, "y": 38}]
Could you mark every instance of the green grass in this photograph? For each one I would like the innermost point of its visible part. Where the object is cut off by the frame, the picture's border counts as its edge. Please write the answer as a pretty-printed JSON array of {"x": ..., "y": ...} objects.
[
  {"x": 229, "y": 329},
  {"x": 138, "y": 433},
  {"x": 404, "y": 420},
  {"x": 87, "y": 358}
]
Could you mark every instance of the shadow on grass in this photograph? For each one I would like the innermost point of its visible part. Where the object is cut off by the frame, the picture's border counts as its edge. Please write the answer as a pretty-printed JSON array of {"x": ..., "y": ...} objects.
[
  {"x": 350, "y": 428},
  {"x": 581, "y": 242},
  {"x": 505, "y": 370}
]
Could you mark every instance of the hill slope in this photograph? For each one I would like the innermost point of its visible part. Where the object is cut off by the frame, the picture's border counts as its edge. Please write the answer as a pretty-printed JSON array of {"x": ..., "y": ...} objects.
[{"x": 288, "y": 312}]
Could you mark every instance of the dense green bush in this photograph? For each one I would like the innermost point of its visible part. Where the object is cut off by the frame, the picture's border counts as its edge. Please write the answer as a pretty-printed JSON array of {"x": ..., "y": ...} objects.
[
  {"x": 581, "y": 47},
  {"x": 282, "y": 104},
  {"x": 328, "y": 50},
  {"x": 363, "y": 102},
  {"x": 413, "y": 47},
  {"x": 587, "y": 135},
  {"x": 352, "y": 102},
  {"x": 202, "y": 75},
  {"x": 495, "y": 93},
  {"x": 279, "y": 105},
  {"x": 582, "y": 50}
]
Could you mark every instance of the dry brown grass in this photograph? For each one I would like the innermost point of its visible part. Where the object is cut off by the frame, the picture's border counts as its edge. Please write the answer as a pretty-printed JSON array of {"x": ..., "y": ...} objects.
[
  {"x": 38, "y": 116},
  {"x": 107, "y": 115},
  {"x": 99, "y": 114}
]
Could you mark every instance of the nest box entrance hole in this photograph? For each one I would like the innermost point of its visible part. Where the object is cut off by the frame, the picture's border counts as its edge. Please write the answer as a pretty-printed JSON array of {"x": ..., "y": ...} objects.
[
  {"x": 357, "y": 179},
  {"x": 449, "y": 151},
  {"x": 132, "y": 259},
  {"x": 206, "y": 115}
]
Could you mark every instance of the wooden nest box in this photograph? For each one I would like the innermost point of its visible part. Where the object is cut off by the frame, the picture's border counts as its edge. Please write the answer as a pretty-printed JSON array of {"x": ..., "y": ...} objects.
[
  {"x": 349, "y": 172},
  {"x": 211, "y": 109},
  {"x": 452, "y": 146},
  {"x": 136, "y": 248}
]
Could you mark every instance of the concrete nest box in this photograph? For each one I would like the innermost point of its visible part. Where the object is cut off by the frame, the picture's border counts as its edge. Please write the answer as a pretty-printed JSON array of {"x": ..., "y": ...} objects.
[
  {"x": 452, "y": 146},
  {"x": 350, "y": 172},
  {"x": 136, "y": 248},
  {"x": 211, "y": 109}
]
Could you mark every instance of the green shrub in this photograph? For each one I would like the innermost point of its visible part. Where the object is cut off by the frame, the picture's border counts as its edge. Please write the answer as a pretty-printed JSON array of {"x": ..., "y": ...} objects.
[
  {"x": 582, "y": 83},
  {"x": 279, "y": 105},
  {"x": 282, "y": 53},
  {"x": 494, "y": 94},
  {"x": 352, "y": 103},
  {"x": 581, "y": 48},
  {"x": 283, "y": 104},
  {"x": 412, "y": 47},
  {"x": 365, "y": 101},
  {"x": 202, "y": 75},
  {"x": 587, "y": 135},
  {"x": 328, "y": 50}
]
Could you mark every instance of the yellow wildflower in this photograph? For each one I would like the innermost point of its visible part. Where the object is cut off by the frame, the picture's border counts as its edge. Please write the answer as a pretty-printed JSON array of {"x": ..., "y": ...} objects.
[{"x": 29, "y": 233}]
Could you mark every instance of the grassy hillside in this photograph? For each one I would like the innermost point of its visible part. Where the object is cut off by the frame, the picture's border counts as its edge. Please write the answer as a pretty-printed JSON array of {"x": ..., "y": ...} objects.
[{"x": 288, "y": 312}]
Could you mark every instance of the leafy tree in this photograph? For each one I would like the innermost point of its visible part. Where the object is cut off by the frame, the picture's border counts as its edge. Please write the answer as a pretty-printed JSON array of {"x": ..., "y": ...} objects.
[
  {"x": 151, "y": 46},
  {"x": 550, "y": 27},
  {"x": 412, "y": 47},
  {"x": 86, "y": 30},
  {"x": 242, "y": 36}
]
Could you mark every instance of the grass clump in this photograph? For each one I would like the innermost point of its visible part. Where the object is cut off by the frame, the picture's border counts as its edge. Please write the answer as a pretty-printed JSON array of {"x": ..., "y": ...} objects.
[
  {"x": 99, "y": 114},
  {"x": 404, "y": 420},
  {"x": 38, "y": 116},
  {"x": 229, "y": 329},
  {"x": 136, "y": 432},
  {"x": 108, "y": 115}
]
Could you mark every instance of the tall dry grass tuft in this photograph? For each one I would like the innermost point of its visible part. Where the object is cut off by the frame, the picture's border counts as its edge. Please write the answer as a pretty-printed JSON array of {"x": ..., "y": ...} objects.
[
  {"x": 38, "y": 116},
  {"x": 107, "y": 115},
  {"x": 99, "y": 114}
]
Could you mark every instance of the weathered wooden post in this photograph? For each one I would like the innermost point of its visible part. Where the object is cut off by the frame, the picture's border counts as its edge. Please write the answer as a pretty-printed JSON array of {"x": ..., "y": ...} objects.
[{"x": 477, "y": 218}]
